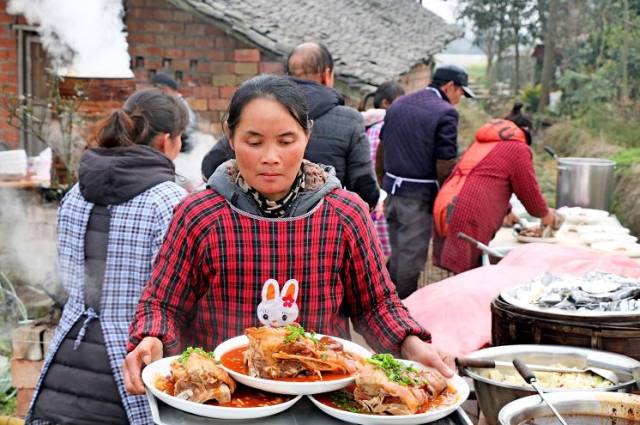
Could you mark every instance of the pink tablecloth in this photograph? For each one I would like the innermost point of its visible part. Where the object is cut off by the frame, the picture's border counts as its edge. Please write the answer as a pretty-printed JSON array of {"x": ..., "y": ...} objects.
[{"x": 457, "y": 310}]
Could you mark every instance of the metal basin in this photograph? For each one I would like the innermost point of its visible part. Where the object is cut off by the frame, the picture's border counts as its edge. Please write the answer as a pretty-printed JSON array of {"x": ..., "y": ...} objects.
[
  {"x": 583, "y": 408},
  {"x": 493, "y": 395},
  {"x": 585, "y": 182}
]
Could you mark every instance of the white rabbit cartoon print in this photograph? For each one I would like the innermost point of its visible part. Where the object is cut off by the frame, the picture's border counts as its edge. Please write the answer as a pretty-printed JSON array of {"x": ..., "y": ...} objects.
[{"x": 278, "y": 309}]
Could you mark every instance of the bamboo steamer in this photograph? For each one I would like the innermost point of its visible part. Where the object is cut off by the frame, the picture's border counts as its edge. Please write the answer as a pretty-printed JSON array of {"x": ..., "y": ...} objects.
[{"x": 514, "y": 325}]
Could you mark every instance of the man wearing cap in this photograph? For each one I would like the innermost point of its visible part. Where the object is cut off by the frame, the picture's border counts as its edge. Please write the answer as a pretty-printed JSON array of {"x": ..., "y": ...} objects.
[{"x": 420, "y": 139}]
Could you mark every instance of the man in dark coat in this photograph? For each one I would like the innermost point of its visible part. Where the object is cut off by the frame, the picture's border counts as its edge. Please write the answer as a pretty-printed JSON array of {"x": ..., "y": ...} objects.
[
  {"x": 420, "y": 139},
  {"x": 338, "y": 136}
]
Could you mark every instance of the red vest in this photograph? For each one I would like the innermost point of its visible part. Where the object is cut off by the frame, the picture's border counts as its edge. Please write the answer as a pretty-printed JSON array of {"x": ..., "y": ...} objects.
[{"x": 486, "y": 139}]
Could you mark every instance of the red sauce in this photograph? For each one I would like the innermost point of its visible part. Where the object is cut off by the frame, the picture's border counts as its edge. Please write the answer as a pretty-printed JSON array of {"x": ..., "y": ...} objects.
[
  {"x": 244, "y": 397},
  {"x": 337, "y": 401},
  {"x": 234, "y": 360}
]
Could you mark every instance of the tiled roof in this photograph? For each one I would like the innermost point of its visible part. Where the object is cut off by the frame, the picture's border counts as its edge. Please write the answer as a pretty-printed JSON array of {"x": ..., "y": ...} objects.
[{"x": 371, "y": 40}]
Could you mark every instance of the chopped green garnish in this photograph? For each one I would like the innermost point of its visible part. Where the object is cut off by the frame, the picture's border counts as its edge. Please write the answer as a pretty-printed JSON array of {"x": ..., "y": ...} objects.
[
  {"x": 295, "y": 332},
  {"x": 395, "y": 370},
  {"x": 345, "y": 401},
  {"x": 190, "y": 350}
]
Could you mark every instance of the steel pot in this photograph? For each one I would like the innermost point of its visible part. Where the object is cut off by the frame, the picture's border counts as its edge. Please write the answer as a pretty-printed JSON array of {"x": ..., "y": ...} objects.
[
  {"x": 493, "y": 395},
  {"x": 600, "y": 407},
  {"x": 584, "y": 182}
]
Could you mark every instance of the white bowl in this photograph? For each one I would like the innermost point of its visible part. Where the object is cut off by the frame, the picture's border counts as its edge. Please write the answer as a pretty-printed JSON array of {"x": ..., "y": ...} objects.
[
  {"x": 287, "y": 387},
  {"x": 579, "y": 215},
  {"x": 162, "y": 367},
  {"x": 622, "y": 248},
  {"x": 457, "y": 382},
  {"x": 595, "y": 237}
]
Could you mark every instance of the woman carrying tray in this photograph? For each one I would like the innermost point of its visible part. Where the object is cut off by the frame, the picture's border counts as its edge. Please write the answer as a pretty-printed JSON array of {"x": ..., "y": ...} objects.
[{"x": 270, "y": 215}]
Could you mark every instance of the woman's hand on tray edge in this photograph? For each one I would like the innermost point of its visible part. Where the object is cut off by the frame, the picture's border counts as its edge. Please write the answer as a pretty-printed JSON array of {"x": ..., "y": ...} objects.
[
  {"x": 149, "y": 350},
  {"x": 413, "y": 348}
]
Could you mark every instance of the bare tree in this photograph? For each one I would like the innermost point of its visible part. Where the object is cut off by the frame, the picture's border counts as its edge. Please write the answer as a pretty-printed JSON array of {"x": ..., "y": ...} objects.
[{"x": 549, "y": 60}]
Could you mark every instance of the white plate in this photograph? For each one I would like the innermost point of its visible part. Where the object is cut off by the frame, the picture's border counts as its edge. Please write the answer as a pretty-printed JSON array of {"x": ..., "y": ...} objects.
[
  {"x": 591, "y": 238},
  {"x": 457, "y": 382},
  {"x": 601, "y": 228},
  {"x": 162, "y": 367},
  {"x": 622, "y": 248},
  {"x": 287, "y": 387},
  {"x": 579, "y": 215}
]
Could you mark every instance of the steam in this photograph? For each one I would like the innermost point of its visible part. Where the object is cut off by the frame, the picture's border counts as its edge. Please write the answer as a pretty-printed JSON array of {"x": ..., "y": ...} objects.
[
  {"x": 188, "y": 165},
  {"x": 84, "y": 38}
]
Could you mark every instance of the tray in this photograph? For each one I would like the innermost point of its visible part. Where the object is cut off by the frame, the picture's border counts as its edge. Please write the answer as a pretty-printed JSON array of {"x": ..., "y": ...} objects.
[{"x": 303, "y": 412}]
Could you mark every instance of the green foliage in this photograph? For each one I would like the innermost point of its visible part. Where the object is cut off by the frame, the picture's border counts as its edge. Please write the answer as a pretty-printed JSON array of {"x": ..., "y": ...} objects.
[
  {"x": 8, "y": 403},
  {"x": 530, "y": 95},
  {"x": 627, "y": 158},
  {"x": 583, "y": 91}
]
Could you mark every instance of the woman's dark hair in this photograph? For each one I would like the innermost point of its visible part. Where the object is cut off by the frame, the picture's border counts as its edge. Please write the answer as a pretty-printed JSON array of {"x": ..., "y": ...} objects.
[
  {"x": 389, "y": 91},
  {"x": 518, "y": 118},
  {"x": 281, "y": 89},
  {"x": 144, "y": 115}
]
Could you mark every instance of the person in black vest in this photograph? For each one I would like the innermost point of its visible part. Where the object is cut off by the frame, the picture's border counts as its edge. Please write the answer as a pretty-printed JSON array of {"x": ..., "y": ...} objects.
[
  {"x": 338, "y": 137},
  {"x": 420, "y": 137}
]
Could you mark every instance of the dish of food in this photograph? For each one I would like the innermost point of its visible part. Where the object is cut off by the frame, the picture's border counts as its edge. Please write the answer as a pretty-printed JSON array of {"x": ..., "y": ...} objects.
[
  {"x": 579, "y": 215},
  {"x": 535, "y": 234},
  {"x": 194, "y": 383},
  {"x": 594, "y": 293},
  {"x": 393, "y": 391},
  {"x": 623, "y": 248},
  {"x": 550, "y": 380},
  {"x": 580, "y": 420},
  {"x": 289, "y": 360}
]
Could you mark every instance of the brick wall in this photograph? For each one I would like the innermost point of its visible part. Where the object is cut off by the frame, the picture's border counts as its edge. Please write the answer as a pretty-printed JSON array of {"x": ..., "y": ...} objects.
[
  {"x": 8, "y": 71},
  {"x": 417, "y": 78},
  {"x": 209, "y": 63}
]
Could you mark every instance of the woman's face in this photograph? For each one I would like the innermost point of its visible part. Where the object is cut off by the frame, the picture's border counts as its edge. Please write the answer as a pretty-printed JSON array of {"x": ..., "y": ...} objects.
[{"x": 269, "y": 145}]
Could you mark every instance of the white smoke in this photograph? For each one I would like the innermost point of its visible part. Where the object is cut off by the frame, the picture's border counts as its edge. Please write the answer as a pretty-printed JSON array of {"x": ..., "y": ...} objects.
[
  {"x": 84, "y": 38},
  {"x": 188, "y": 165}
]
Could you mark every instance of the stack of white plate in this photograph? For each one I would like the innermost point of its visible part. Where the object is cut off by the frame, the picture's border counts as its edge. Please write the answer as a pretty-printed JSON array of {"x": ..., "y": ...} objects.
[{"x": 13, "y": 163}]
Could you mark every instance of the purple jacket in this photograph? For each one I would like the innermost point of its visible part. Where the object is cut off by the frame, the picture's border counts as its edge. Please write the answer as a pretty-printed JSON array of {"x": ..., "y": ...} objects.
[{"x": 419, "y": 129}]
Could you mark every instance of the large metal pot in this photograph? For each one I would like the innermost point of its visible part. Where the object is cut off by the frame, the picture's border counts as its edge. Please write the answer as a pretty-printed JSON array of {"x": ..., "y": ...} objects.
[
  {"x": 599, "y": 407},
  {"x": 585, "y": 182},
  {"x": 493, "y": 395}
]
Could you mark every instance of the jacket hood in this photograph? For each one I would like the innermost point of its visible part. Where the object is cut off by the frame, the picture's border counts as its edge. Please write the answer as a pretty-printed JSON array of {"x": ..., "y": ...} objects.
[
  {"x": 223, "y": 182},
  {"x": 500, "y": 131},
  {"x": 110, "y": 176},
  {"x": 321, "y": 99}
]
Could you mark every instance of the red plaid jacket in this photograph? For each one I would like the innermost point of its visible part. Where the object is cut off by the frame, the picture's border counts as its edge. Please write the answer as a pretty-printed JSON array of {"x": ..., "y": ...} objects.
[{"x": 208, "y": 276}]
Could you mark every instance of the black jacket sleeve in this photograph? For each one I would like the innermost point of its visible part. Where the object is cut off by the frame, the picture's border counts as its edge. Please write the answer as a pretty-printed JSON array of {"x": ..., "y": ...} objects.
[
  {"x": 360, "y": 176},
  {"x": 446, "y": 143},
  {"x": 219, "y": 153}
]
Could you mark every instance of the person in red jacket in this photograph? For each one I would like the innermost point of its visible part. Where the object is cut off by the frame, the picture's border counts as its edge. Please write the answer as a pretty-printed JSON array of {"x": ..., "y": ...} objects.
[
  {"x": 475, "y": 198},
  {"x": 268, "y": 216}
]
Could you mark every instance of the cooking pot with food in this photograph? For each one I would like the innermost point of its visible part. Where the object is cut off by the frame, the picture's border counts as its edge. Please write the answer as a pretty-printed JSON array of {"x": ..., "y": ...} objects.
[
  {"x": 576, "y": 408},
  {"x": 497, "y": 387}
]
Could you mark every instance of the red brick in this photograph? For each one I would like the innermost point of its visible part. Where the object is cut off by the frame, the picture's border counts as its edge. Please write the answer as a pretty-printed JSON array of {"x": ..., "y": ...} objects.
[
  {"x": 216, "y": 55},
  {"x": 216, "y": 129},
  {"x": 226, "y": 92},
  {"x": 23, "y": 400},
  {"x": 135, "y": 3},
  {"x": 195, "y": 29},
  {"x": 184, "y": 41},
  {"x": 152, "y": 26},
  {"x": 165, "y": 40},
  {"x": 152, "y": 63},
  {"x": 6, "y": 54},
  {"x": 141, "y": 38},
  {"x": 243, "y": 68},
  {"x": 25, "y": 373},
  {"x": 221, "y": 68},
  {"x": 198, "y": 104},
  {"x": 146, "y": 51},
  {"x": 136, "y": 13},
  {"x": 180, "y": 65},
  {"x": 181, "y": 16},
  {"x": 213, "y": 30},
  {"x": 225, "y": 42},
  {"x": 173, "y": 27},
  {"x": 173, "y": 53},
  {"x": 163, "y": 15},
  {"x": 247, "y": 55},
  {"x": 218, "y": 104},
  {"x": 205, "y": 91},
  {"x": 205, "y": 42},
  {"x": 271, "y": 68},
  {"x": 8, "y": 42}
]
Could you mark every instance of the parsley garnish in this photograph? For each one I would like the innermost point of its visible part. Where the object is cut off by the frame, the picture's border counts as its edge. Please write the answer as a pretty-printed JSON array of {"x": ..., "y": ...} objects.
[
  {"x": 295, "y": 332},
  {"x": 395, "y": 370},
  {"x": 345, "y": 401},
  {"x": 190, "y": 350}
]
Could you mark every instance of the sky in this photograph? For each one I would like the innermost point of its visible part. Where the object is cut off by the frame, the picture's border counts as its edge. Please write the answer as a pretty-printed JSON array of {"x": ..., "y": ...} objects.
[{"x": 445, "y": 9}]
